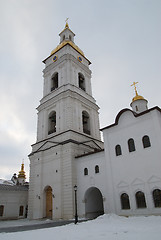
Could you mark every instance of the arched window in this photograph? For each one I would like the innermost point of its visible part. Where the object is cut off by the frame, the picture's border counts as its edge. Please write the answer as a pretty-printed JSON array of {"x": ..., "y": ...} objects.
[
  {"x": 70, "y": 38},
  {"x": 21, "y": 211},
  {"x": 118, "y": 150},
  {"x": 146, "y": 141},
  {"x": 63, "y": 37},
  {"x": 86, "y": 122},
  {"x": 125, "y": 204},
  {"x": 140, "y": 200},
  {"x": 86, "y": 171},
  {"x": 54, "y": 81},
  {"x": 97, "y": 170},
  {"x": 157, "y": 197},
  {"x": 1, "y": 210},
  {"x": 81, "y": 81},
  {"x": 131, "y": 145},
  {"x": 52, "y": 122}
]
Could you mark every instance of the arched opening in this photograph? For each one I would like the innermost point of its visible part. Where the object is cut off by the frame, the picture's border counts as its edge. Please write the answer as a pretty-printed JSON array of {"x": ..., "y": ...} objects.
[
  {"x": 85, "y": 171},
  {"x": 157, "y": 198},
  {"x": 86, "y": 122},
  {"x": 81, "y": 81},
  {"x": 1, "y": 210},
  {"x": 21, "y": 211},
  {"x": 54, "y": 81},
  {"x": 118, "y": 150},
  {"x": 93, "y": 203},
  {"x": 52, "y": 122},
  {"x": 146, "y": 141},
  {"x": 125, "y": 204},
  {"x": 49, "y": 202},
  {"x": 131, "y": 145},
  {"x": 140, "y": 200},
  {"x": 97, "y": 170}
]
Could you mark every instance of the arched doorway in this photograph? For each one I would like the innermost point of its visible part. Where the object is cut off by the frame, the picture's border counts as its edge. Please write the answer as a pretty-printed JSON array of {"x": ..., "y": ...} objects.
[
  {"x": 93, "y": 203},
  {"x": 49, "y": 202}
]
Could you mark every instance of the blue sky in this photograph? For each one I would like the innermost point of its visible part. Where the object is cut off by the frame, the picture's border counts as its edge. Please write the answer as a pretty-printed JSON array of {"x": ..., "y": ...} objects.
[{"x": 120, "y": 37}]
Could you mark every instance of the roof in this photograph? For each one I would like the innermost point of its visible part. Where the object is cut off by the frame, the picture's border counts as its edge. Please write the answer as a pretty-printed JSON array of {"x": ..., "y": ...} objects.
[{"x": 134, "y": 113}]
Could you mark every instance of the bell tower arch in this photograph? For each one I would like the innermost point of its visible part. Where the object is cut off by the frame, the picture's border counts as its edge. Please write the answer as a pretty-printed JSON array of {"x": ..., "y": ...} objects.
[{"x": 67, "y": 126}]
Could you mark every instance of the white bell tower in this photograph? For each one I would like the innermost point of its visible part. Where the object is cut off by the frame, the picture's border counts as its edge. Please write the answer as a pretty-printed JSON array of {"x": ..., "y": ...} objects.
[{"x": 68, "y": 125}]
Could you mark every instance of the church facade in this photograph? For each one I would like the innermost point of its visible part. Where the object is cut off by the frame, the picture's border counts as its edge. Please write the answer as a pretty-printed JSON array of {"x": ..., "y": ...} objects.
[{"x": 121, "y": 175}]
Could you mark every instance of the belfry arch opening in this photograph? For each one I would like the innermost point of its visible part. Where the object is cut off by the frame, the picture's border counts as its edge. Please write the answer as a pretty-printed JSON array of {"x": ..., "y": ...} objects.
[
  {"x": 86, "y": 122},
  {"x": 54, "y": 81},
  {"x": 52, "y": 122},
  {"x": 81, "y": 81},
  {"x": 48, "y": 202},
  {"x": 93, "y": 203}
]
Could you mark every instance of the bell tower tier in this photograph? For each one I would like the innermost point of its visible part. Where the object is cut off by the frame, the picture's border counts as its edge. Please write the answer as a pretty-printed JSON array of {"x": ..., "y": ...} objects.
[{"x": 68, "y": 125}]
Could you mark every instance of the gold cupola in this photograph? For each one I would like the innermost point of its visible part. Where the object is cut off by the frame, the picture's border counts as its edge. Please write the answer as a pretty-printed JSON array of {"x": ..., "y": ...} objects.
[
  {"x": 22, "y": 172},
  {"x": 67, "y": 37},
  {"x": 139, "y": 103}
]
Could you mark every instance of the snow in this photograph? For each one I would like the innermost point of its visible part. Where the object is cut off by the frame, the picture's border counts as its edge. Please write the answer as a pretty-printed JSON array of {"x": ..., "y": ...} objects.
[
  {"x": 6, "y": 182},
  {"x": 110, "y": 227}
]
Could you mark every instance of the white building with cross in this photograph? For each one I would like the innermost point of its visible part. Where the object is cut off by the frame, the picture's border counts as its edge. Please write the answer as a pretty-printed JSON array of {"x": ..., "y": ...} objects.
[{"x": 121, "y": 175}]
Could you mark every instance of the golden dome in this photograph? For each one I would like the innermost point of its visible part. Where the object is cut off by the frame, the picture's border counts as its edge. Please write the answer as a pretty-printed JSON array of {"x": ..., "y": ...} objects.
[
  {"x": 61, "y": 45},
  {"x": 22, "y": 172},
  {"x": 137, "y": 97}
]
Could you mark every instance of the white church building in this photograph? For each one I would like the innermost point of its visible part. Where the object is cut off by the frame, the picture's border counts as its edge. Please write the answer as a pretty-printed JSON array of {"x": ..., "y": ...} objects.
[{"x": 121, "y": 175}]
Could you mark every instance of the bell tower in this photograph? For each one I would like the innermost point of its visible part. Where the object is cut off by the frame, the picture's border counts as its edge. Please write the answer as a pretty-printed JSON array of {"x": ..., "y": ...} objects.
[{"x": 68, "y": 125}]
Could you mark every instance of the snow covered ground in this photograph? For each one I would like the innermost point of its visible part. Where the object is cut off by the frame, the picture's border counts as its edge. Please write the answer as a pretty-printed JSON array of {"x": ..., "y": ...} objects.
[{"x": 106, "y": 227}]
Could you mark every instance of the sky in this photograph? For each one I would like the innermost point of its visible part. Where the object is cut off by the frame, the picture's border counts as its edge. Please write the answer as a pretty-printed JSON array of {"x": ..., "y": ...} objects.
[{"x": 120, "y": 37}]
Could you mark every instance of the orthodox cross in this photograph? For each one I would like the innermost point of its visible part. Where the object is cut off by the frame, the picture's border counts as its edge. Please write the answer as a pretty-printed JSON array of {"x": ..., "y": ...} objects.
[
  {"x": 66, "y": 20},
  {"x": 134, "y": 84}
]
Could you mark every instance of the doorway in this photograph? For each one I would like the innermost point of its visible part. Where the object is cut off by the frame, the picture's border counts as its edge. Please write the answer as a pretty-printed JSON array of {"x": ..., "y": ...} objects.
[
  {"x": 93, "y": 203},
  {"x": 49, "y": 202}
]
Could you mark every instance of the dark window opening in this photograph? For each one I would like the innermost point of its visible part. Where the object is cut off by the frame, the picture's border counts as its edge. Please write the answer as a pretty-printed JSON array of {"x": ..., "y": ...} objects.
[
  {"x": 136, "y": 108},
  {"x": 97, "y": 169},
  {"x": 52, "y": 123},
  {"x": 86, "y": 122},
  {"x": 125, "y": 204},
  {"x": 21, "y": 211},
  {"x": 70, "y": 38},
  {"x": 118, "y": 150},
  {"x": 146, "y": 141},
  {"x": 54, "y": 82},
  {"x": 140, "y": 200},
  {"x": 1, "y": 210},
  {"x": 131, "y": 145},
  {"x": 157, "y": 198},
  {"x": 86, "y": 171},
  {"x": 81, "y": 80}
]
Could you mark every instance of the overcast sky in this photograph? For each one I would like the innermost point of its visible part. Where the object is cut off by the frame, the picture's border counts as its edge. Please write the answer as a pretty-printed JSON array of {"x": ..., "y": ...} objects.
[{"x": 122, "y": 39}]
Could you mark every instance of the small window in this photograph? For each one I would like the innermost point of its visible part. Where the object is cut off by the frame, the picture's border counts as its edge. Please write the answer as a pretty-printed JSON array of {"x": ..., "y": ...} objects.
[
  {"x": 157, "y": 198},
  {"x": 140, "y": 200},
  {"x": 146, "y": 141},
  {"x": 63, "y": 37},
  {"x": 136, "y": 108},
  {"x": 70, "y": 38},
  {"x": 86, "y": 122},
  {"x": 86, "y": 171},
  {"x": 97, "y": 170},
  {"x": 21, "y": 211},
  {"x": 54, "y": 81},
  {"x": 118, "y": 150},
  {"x": 52, "y": 123},
  {"x": 125, "y": 204},
  {"x": 131, "y": 145},
  {"x": 1, "y": 210},
  {"x": 81, "y": 81}
]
